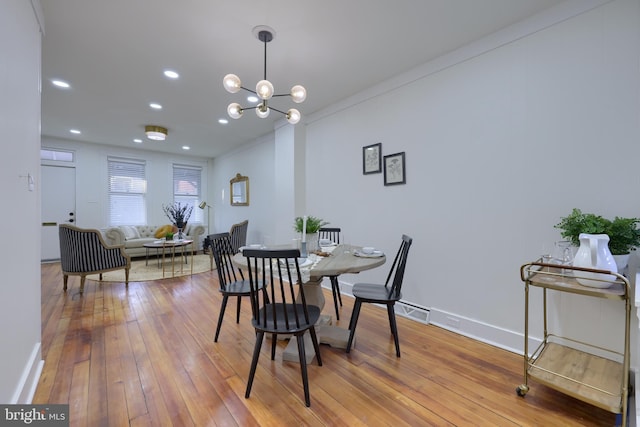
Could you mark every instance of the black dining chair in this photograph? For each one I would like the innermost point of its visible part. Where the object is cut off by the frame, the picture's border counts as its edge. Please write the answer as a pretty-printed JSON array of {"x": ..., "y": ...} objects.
[
  {"x": 232, "y": 281},
  {"x": 280, "y": 307},
  {"x": 333, "y": 234},
  {"x": 386, "y": 294}
]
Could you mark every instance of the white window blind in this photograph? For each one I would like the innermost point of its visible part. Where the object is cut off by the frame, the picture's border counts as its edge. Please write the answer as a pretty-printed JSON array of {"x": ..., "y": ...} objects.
[
  {"x": 187, "y": 189},
  {"x": 127, "y": 192}
]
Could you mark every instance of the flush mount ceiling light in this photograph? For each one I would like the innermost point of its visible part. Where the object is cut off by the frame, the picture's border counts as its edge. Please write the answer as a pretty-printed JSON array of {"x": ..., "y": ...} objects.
[
  {"x": 156, "y": 133},
  {"x": 264, "y": 89}
]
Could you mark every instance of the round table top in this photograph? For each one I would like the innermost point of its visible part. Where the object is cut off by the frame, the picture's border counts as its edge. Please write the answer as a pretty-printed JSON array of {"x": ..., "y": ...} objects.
[
  {"x": 340, "y": 261},
  {"x": 167, "y": 243}
]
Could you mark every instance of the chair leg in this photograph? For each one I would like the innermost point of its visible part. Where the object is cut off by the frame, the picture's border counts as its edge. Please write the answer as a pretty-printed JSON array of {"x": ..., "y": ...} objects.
[
  {"x": 65, "y": 280},
  {"x": 338, "y": 290},
  {"x": 303, "y": 369},
  {"x": 274, "y": 340},
  {"x": 254, "y": 362},
  {"x": 238, "y": 310},
  {"x": 225, "y": 299},
  {"x": 316, "y": 346},
  {"x": 335, "y": 292},
  {"x": 126, "y": 277},
  {"x": 394, "y": 327},
  {"x": 82, "y": 279},
  {"x": 353, "y": 322}
]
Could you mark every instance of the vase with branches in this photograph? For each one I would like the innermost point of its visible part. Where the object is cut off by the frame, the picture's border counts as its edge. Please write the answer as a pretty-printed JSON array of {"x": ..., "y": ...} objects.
[{"x": 178, "y": 213}]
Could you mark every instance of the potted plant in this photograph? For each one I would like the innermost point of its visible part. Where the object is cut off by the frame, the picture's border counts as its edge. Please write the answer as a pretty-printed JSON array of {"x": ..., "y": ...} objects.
[
  {"x": 578, "y": 222},
  {"x": 178, "y": 214},
  {"x": 623, "y": 233},
  {"x": 313, "y": 225}
]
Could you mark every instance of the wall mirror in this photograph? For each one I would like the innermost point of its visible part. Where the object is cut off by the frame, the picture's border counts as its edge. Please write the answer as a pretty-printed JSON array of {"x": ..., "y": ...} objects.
[{"x": 239, "y": 190}]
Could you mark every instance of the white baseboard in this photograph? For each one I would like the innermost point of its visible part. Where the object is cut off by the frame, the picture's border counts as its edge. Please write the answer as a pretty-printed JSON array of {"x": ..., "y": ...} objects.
[
  {"x": 492, "y": 335},
  {"x": 501, "y": 338},
  {"x": 26, "y": 387}
]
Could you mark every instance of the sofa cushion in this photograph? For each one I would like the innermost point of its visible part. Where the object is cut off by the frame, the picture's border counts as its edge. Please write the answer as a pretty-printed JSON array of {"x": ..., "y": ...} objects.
[
  {"x": 163, "y": 230},
  {"x": 130, "y": 232}
]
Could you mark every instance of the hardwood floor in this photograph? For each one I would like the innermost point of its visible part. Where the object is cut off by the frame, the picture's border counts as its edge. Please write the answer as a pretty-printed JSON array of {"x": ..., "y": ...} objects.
[{"x": 146, "y": 357}]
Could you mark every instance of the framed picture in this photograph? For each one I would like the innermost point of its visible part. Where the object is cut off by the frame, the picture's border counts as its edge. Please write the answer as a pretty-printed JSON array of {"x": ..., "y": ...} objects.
[
  {"x": 372, "y": 158},
  {"x": 394, "y": 169}
]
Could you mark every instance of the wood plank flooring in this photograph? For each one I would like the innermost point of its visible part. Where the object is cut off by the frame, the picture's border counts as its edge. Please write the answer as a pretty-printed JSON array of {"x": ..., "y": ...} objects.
[{"x": 146, "y": 357}]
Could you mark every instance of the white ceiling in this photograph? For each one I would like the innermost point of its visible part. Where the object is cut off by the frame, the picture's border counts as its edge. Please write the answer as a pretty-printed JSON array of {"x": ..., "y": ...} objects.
[{"x": 113, "y": 53}]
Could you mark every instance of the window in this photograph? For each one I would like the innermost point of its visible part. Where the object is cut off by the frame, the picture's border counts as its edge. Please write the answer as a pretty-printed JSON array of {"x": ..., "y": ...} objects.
[
  {"x": 187, "y": 189},
  {"x": 127, "y": 192},
  {"x": 54, "y": 155}
]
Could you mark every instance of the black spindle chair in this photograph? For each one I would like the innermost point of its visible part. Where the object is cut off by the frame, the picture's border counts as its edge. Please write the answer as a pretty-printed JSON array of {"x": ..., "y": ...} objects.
[
  {"x": 386, "y": 294},
  {"x": 333, "y": 234},
  {"x": 280, "y": 307}
]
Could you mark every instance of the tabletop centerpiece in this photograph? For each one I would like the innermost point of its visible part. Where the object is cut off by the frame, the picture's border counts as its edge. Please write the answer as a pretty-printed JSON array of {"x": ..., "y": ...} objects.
[
  {"x": 308, "y": 227},
  {"x": 179, "y": 214}
]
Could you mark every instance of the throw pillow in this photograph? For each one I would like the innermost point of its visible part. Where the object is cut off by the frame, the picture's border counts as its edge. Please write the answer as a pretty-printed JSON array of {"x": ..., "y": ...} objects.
[
  {"x": 128, "y": 232},
  {"x": 163, "y": 230}
]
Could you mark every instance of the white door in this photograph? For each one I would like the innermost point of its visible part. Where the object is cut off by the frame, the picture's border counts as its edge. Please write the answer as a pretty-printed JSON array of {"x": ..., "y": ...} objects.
[{"x": 58, "y": 206}]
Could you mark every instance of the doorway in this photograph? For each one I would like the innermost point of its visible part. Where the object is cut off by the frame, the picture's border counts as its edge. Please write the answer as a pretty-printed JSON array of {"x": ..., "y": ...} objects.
[{"x": 58, "y": 198}]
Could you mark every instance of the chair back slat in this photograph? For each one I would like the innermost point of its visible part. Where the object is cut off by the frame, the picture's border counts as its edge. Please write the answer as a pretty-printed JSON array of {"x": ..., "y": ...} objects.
[
  {"x": 331, "y": 233},
  {"x": 281, "y": 305},
  {"x": 398, "y": 267},
  {"x": 238, "y": 233},
  {"x": 222, "y": 253}
]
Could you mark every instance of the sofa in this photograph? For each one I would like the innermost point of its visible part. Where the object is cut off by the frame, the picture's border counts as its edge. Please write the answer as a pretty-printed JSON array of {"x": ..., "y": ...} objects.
[{"x": 133, "y": 237}]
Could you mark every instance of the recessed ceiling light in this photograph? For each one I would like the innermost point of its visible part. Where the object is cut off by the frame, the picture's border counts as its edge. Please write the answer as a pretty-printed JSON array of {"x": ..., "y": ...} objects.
[
  {"x": 137, "y": 141},
  {"x": 61, "y": 84},
  {"x": 252, "y": 98},
  {"x": 223, "y": 121},
  {"x": 171, "y": 74},
  {"x": 75, "y": 131},
  {"x": 155, "y": 106},
  {"x": 186, "y": 147}
]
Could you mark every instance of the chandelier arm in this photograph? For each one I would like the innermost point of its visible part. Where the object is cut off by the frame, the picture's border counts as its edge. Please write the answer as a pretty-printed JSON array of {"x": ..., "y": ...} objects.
[
  {"x": 282, "y": 94},
  {"x": 249, "y": 90},
  {"x": 281, "y": 112}
]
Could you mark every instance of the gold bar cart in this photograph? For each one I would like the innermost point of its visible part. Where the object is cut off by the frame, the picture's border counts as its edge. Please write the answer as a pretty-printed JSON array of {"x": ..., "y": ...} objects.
[{"x": 596, "y": 375}]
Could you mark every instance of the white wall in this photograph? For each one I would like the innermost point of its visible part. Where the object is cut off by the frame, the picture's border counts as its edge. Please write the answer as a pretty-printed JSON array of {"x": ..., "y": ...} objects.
[
  {"x": 20, "y": 43},
  {"x": 500, "y": 144},
  {"x": 92, "y": 197},
  {"x": 502, "y": 138},
  {"x": 257, "y": 161}
]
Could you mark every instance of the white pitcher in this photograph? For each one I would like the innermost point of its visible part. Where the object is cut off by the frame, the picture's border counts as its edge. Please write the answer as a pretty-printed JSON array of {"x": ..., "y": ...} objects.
[{"x": 594, "y": 253}]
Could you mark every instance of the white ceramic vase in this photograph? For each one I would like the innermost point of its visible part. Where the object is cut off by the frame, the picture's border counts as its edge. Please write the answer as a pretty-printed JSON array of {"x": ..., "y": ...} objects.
[{"x": 594, "y": 253}]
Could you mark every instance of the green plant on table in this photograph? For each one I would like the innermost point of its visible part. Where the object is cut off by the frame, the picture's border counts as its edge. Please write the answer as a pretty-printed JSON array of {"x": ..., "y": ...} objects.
[
  {"x": 313, "y": 224},
  {"x": 623, "y": 233}
]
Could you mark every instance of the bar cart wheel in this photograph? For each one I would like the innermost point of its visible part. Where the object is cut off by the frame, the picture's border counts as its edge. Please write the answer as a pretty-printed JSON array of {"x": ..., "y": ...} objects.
[{"x": 522, "y": 390}]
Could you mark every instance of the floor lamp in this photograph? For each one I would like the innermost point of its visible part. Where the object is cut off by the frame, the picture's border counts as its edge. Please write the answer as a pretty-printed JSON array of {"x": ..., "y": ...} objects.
[{"x": 203, "y": 205}]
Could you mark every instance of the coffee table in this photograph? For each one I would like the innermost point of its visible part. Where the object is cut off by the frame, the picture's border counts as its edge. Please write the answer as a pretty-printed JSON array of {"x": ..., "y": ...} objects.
[{"x": 169, "y": 247}]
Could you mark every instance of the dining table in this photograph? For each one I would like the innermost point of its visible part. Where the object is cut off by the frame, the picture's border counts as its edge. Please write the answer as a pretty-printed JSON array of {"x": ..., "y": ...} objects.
[{"x": 329, "y": 261}]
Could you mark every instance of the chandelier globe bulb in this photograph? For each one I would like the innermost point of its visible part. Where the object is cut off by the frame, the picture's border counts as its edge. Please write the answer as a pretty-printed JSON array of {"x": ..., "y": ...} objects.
[
  {"x": 293, "y": 116},
  {"x": 298, "y": 94},
  {"x": 232, "y": 83},
  {"x": 234, "y": 110},
  {"x": 264, "y": 89},
  {"x": 263, "y": 111}
]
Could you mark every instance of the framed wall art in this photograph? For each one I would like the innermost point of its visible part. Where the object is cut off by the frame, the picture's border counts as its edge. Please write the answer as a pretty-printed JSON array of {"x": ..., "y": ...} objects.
[
  {"x": 372, "y": 158},
  {"x": 394, "y": 169}
]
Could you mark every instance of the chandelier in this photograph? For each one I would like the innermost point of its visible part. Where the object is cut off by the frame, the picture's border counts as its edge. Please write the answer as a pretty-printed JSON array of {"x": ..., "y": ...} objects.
[{"x": 264, "y": 89}]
